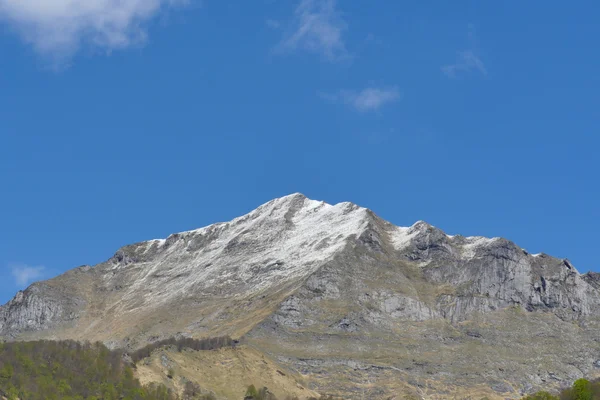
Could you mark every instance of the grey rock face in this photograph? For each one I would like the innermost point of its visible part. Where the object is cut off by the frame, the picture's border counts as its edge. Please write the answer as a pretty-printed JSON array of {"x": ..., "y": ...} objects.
[
  {"x": 593, "y": 278},
  {"x": 40, "y": 307},
  {"x": 424, "y": 306},
  {"x": 341, "y": 295}
]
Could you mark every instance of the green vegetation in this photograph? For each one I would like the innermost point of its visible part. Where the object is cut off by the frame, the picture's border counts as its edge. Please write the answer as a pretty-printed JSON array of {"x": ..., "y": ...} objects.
[
  {"x": 582, "y": 389},
  {"x": 251, "y": 393},
  {"x": 541, "y": 396},
  {"x": 71, "y": 371}
]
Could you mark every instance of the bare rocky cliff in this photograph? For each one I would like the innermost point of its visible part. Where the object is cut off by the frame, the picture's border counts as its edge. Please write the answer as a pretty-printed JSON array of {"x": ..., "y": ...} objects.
[{"x": 351, "y": 302}]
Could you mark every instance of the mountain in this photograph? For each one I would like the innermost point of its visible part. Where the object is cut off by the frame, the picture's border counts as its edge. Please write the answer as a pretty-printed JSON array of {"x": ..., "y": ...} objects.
[{"x": 353, "y": 304}]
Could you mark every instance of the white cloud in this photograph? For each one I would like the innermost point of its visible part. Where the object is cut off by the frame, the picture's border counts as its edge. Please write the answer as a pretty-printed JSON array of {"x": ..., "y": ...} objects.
[
  {"x": 318, "y": 28},
  {"x": 24, "y": 274},
  {"x": 466, "y": 61},
  {"x": 369, "y": 99},
  {"x": 59, "y": 27}
]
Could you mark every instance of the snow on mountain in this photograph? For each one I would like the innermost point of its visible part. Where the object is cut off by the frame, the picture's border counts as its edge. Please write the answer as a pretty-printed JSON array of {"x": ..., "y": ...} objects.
[{"x": 281, "y": 240}]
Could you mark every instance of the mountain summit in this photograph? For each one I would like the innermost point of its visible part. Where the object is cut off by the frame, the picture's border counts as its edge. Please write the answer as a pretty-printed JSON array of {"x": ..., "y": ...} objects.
[{"x": 346, "y": 299}]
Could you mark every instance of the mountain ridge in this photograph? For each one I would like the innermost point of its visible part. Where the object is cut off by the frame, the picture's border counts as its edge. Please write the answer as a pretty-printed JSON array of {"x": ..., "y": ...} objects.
[{"x": 333, "y": 291}]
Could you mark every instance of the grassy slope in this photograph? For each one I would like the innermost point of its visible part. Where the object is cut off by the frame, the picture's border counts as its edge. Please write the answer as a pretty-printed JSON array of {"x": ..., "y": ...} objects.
[{"x": 225, "y": 372}]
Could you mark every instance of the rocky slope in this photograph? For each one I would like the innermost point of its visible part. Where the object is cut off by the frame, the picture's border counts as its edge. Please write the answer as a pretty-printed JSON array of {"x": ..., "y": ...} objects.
[{"x": 353, "y": 303}]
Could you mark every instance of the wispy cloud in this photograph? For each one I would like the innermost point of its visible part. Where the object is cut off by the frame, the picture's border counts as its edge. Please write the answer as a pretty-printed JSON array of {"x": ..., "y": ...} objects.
[
  {"x": 25, "y": 274},
  {"x": 467, "y": 60},
  {"x": 318, "y": 28},
  {"x": 369, "y": 99},
  {"x": 273, "y": 24},
  {"x": 58, "y": 28}
]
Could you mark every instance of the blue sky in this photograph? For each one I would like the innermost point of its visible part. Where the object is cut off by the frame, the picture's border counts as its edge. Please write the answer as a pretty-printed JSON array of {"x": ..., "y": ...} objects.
[{"x": 121, "y": 123}]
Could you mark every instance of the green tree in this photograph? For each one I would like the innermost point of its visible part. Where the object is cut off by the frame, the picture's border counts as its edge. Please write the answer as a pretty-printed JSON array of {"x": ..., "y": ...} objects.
[
  {"x": 13, "y": 393},
  {"x": 251, "y": 392},
  {"x": 6, "y": 373},
  {"x": 582, "y": 389},
  {"x": 63, "y": 387},
  {"x": 540, "y": 396},
  {"x": 109, "y": 392}
]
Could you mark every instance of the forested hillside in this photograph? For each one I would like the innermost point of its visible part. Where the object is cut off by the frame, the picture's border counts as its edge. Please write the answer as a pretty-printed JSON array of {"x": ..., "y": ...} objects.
[{"x": 69, "y": 370}]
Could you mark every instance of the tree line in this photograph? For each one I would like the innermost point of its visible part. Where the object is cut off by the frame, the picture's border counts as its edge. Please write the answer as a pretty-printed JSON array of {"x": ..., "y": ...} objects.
[{"x": 183, "y": 343}]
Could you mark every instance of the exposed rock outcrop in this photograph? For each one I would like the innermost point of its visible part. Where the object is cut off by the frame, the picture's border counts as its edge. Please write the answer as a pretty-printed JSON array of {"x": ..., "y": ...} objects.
[{"x": 40, "y": 307}]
